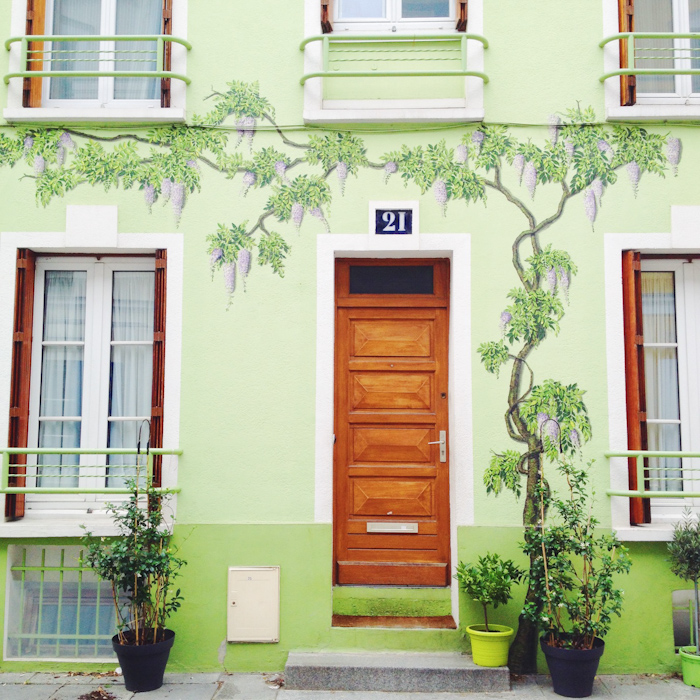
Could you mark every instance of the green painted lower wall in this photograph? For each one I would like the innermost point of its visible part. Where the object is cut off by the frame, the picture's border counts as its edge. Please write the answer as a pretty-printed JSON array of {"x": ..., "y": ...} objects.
[
  {"x": 388, "y": 600},
  {"x": 640, "y": 642}
]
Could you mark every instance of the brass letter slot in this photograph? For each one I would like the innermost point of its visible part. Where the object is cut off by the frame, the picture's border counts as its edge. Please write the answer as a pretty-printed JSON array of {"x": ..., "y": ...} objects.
[{"x": 393, "y": 528}]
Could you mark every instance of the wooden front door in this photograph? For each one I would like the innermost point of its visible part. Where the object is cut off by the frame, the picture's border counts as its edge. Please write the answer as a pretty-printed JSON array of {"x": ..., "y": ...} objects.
[{"x": 391, "y": 474}]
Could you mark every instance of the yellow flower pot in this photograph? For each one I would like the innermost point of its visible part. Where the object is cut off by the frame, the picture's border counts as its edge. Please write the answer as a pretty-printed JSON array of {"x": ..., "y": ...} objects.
[{"x": 490, "y": 648}]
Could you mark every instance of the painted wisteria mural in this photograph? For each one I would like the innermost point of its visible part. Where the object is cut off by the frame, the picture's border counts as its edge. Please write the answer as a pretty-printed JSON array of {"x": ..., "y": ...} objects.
[{"x": 579, "y": 160}]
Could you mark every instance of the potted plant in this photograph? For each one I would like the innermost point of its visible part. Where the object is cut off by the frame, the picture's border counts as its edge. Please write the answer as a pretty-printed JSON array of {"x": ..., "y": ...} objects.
[
  {"x": 141, "y": 564},
  {"x": 684, "y": 553},
  {"x": 572, "y": 573},
  {"x": 488, "y": 582}
]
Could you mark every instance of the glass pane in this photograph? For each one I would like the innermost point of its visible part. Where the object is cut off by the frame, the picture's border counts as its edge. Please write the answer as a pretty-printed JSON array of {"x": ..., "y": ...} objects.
[
  {"x": 121, "y": 467},
  {"x": 654, "y": 16},
  {"x": 137, "y": 17},
  {"x": 132, "y": 305},
  {"x": 425, "y": 8},
  {"x": 58, "y": 470},
  {"x": 130, "y": 385},
  {"x": 61, "y": 381},
  {"x": 75, "y": 18},
  {"x": 64, "y": 305},
  {"x": 694, "y": 11},
  {"x": 394, "y": 279},
  {"x": 661, "y": 383},
  {"x": 664, "y": 474},
  {"x": 361, "y": 9},
  {"x": 659, "y": 307}
]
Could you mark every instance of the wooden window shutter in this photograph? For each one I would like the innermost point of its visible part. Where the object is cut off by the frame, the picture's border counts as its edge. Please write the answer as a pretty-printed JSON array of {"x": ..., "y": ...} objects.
[
  {"x": 628, "y": 83},
  {"x": 158, "y": 382},
  {"x": 326, "y": 24},
  {"x": 35, "y": 24},
  {"x": 462, "y": 15},
  {"x": 167, "y": 52},
  {"x": 640, "y": 510},
  {"x": 21, "y": 371}
]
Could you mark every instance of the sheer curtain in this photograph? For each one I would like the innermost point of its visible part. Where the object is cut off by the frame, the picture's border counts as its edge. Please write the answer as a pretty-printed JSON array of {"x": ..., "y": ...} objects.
[
  {"x": 362, "y": 9},
  {"x": 73, "y": 18},
  {"x": 61, "y": 374},
  {"x": 661, "y": 377},
  {"x": 694, "y": 26},
  {"x": 137, "y": 17},
  {"x": 415, "y": 9},
  {"x": 131, "y": 366},
  {"x": 654, "y": 16}
]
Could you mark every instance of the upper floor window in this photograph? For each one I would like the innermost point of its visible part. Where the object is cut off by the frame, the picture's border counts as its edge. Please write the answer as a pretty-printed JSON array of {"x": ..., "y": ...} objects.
[{"x": 394, "y": 15}]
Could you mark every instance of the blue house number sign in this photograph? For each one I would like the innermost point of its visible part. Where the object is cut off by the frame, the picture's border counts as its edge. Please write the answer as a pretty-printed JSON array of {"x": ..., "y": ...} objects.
[{"x": 393, "y": 222}]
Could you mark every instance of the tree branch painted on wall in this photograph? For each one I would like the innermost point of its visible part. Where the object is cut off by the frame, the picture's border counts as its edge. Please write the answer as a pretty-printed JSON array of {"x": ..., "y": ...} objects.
[{"x": 580, "y": 159}]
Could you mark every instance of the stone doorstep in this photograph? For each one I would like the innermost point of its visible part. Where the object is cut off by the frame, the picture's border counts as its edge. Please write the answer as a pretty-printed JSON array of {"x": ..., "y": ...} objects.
[{"x": 443, "y": 672}]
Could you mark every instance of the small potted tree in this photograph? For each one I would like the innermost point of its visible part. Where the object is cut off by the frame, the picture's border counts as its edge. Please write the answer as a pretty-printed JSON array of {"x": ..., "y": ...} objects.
[
  {"x": 488, "y": 582},
  {"x": 684, "y": 555},
  {"x": 141, "y": 564},
  {"x": 572, "y": 574}
]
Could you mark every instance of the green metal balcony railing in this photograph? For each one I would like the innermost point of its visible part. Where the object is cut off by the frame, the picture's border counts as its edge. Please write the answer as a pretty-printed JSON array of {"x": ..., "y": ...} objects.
[
  {"x": 682, "y": 51},
  {"x": 659, "y": 480},
  {"x": 94, "y": 477},
  {"x": 33, "y": 52},
  {"x": 328, "y": 40}
]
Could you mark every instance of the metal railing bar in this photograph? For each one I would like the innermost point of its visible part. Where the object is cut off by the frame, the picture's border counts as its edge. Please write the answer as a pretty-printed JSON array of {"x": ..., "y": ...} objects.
[
  {"x": 394, "y": 74},
  {"x": 34, "y": 38},
  {"x": 393, "y": 38}
]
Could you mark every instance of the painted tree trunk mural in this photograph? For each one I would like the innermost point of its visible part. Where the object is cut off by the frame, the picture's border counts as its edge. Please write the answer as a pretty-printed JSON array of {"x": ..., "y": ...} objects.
[{"x": 580, "y": 158}]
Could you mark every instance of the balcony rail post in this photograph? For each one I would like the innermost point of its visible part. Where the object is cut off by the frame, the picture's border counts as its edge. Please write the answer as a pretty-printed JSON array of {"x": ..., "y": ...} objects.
[
  {"x": 326, "y": 53},
  {"x": 631, "y": 61},
  {"x": 160, "y": 53},
  {"x": 640, "y": 474},
  {"x": 5, "y": 470},
  {"x": 463, "y": 46}
]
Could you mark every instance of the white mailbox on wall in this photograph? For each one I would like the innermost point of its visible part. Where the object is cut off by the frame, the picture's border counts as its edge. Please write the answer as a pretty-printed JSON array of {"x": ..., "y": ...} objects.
[{"x": 253, "y": 604}]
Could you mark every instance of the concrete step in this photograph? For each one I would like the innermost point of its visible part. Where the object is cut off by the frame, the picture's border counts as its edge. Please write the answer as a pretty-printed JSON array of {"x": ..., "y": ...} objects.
[{"x": 442, "y": 672}]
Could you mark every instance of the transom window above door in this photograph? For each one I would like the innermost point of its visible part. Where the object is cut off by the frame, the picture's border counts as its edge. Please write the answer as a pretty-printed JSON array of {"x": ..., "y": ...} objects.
[{"x": 394, "y": 15}]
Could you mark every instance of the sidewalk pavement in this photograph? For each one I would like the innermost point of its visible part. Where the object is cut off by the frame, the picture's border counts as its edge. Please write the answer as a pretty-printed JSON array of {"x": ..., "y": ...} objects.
[{"x": 257, "y": 686}]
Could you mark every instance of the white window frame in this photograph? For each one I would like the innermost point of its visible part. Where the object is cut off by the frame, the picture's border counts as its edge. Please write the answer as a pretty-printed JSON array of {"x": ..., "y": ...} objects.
[
  {"x": 393, "y": 22},
  {"x": 96, "y": 372},
  {"x": 683, "y": 238},
  {"x": 317, "y": 110},
  {"x": 121, "y": 111},
  {"x": 648, "y": 107},
  {"x": 94, "y": 230}
]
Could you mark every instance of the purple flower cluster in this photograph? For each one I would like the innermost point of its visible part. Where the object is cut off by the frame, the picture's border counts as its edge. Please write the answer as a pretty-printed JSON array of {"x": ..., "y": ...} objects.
[
  {"x": 230, "y": 277},
  {"x": 249, "y": 179},
  {"x": 244, "y": 258},
  {"x": 673, "y": 153},
  {"x": 634, "y": 173},
  {"x": 66, "y": 141},
  {"x": 28, "y": 144},
  {"x": 440, "y": 193},
  {"x": 318, "y": 213},
  {"x": 341, "y": 171},
  {"x": 569, "y": 148},
  {"x": 389, "y": 169},
  {"x": 519, "y": 165},
  {"x": 478, "y": 140},
  {"x": 506, "y": 318},
  {"x": 39, "y": 164},
  {"x": 605, "y": 147},
  {"x": 297, "y": 215},
  {"x": 461, "y": 154},
  {"x": 166, "y": 187},
  {"x": 564, "y": 282},
  {"x": 554, "y": 124},
  {"x": 177, "y": 199},
  {"x": 552, "y": 280},
  {"x": 530, "y": 177},
  {"x": 281, "y": 170},
  {"x": 249, "y": 131},
  {"x": 149, "y": 195},
  {"x": 589, "y": 204}
]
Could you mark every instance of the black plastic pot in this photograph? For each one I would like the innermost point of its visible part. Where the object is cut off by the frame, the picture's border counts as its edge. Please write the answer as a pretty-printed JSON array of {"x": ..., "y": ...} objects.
[
  {"x": 573, "y": 670},
  {"x": 143, "y": 666}
]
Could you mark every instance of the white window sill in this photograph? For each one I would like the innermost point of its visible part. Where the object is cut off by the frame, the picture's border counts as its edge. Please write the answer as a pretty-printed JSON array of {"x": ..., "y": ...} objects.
[
  {"x": 653, "y": 532},
  {"x": 64, "y": 115},
  {"x": 670, "y": 112},
  {"x": 372, "y": 112},
  {"x": 52, "y": 524}
]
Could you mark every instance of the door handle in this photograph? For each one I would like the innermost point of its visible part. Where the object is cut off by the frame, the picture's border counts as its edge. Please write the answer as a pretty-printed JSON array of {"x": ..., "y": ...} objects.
[{"x": 443, "y": 445}]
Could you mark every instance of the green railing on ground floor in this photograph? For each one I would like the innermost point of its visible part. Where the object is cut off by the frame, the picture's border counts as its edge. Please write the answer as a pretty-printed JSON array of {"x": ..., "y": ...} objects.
[
  {"x": 683, "y": 53},
  {"x": 106, "y": 56},
  {"x": 327, "y": 40},
  {"x": 660, "y": 480},
  {"x": 94, "y": 477}
]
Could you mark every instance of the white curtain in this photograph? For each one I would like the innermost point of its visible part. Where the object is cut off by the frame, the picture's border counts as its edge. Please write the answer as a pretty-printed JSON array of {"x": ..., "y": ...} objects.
[
  {"x": 415, "y": 9},
  {"x": 654, "y": 16},
  {"x": 137, "y": 17},
  {"x": 131, "y": 365},
  {"x": 661, "y": 377},
  {"x": 74, "y": 18},
  {"x": 61, "y": 373},
  {"x": 694, "y": 25},
  {"x": 362, "y": 9}
]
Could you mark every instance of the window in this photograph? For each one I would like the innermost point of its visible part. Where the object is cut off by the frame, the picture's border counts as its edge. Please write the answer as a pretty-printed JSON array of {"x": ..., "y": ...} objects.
[
  {"x": 96, "y": 354},
  {"x": 393, "y": 15},
  {"x": 57, "y": 609},
  {"x": 663, "y": 383}
]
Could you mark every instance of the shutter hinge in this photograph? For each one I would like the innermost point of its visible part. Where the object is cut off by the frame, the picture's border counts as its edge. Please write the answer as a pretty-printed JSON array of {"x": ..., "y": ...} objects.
[
  {"x": 160, "y": 263},
  {"x": 636, "y": 264},
  {"x": 30, "y": 15},
  {"x": 15, "y": 412},
  {"x": 628, "y": 9},
  {"x": 22, "y": 262},
  {"x": 18, "y": 337},
  {"x": 642, "y": 416},
  {"x": 156, "y": 411},
  {"x": 639, "y": 340},
  {"x": 158, "y": 336},
  {"x": 167, "y": 13}
]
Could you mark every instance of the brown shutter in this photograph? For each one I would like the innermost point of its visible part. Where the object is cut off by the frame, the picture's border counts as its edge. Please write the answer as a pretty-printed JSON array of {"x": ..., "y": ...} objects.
[
  {"x": 167, "y": 52},
  {"x": 461, "y": 15},
  {"x": 36, "y": 15},
  {"x": 628, "y": 83},
  {"x": 326, "y": 24},
  {"x": 640, "y": 510},
  {"x": 158, "y": 385},
  {"x": 21, "y": 370}
]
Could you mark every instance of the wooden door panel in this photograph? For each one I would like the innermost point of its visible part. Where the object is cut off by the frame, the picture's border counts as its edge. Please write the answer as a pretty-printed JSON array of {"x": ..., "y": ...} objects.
[
  {"x": 391, "y": 338},
  {"x": 387, "y": 391},
  {"x": 390, "y": 403},
  {"x": 395, "y": 444},
  {"x": 397, "y": 497}
]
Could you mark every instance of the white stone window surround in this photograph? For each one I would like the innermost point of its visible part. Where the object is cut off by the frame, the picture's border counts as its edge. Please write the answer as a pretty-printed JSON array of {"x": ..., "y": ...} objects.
[
  {"x": 14, "y": 112},
  {"x": 456, "y": 247},
  {"x": 320, "y": 111},
  {"x": 611, "y": 61},
  {"x": 93, "y": 230},
  {"x": 684, "y": 238}
]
